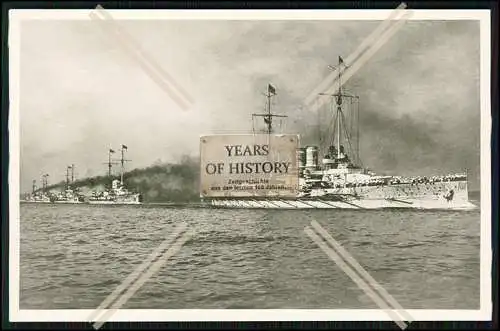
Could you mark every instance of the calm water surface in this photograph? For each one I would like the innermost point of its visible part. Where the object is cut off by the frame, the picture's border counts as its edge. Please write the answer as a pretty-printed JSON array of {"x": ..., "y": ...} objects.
[{"x": 74, "y": 256}]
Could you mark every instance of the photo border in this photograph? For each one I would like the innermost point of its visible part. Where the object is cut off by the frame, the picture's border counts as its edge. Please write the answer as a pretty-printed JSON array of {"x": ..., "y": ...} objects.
[{"x": 484, "y": 314}]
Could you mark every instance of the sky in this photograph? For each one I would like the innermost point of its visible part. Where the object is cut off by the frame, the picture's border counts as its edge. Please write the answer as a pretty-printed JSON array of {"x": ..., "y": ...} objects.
[{"x": 81, "y": 94}]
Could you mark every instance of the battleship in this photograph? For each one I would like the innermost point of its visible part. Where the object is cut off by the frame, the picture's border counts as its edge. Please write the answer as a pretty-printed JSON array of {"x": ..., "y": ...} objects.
[
  {"x": 43, "y": 195},
  {"x": 340, "y": 181},
  {"x": 68, "y": 195},
  {"x": 116, "y": 193},
  {"x": 36, "y": 195}
]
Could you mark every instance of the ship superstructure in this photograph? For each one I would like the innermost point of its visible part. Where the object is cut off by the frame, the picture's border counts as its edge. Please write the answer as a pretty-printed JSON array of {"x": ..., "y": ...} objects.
[
  {"x": 116, "y": 193},
  {"x": 68, "y": 195},
  {"x": 341, "y": 181}
]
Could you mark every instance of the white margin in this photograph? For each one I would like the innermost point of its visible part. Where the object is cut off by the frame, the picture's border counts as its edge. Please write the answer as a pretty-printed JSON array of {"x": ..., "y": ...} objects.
[
  {"x": 75, "y": 315},
  {"x": 215, "y": 315},
  {"x": 486, "y": 248},
  {"x": 232, "y": 15},
  {"x": 14, "y": 44}
]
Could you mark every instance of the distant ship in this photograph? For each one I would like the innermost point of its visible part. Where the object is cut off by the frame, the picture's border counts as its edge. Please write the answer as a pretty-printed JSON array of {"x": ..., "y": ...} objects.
[
  {"x": 341, "y": 182},
  {"x": 43, "y": 195},
  {"x": 68, "y": 195},
  {"x": 36, "y": 195},
  {"x": 116, "y": 194}
]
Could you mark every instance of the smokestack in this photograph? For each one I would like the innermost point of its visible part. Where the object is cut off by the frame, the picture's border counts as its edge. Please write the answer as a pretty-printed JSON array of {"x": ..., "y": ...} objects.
[
  {"x": 301, "y": 155},
  {"x": 312, "y": 157}
]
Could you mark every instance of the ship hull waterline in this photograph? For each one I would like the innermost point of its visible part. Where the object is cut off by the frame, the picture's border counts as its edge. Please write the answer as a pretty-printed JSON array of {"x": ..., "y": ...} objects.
[
  {"x": 69, "y": 202},
  {"x": 114, "y": 203},
  {"x": 82, "y": 202},
  {"x": 330, "y": 204},
  {"x": 27, "y": 201}
]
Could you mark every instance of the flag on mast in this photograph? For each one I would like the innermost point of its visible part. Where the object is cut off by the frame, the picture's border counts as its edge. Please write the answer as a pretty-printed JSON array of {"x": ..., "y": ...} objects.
[
  {"x": 341, "y": 60},
  {"x": 111, "y": 150},
  {"x": 271, "y": 89},
  {"x": 124, "y": 147}
]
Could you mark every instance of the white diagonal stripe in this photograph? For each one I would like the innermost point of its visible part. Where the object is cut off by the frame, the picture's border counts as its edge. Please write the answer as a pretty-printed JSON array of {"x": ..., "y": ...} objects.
[
  {"x": 389, "y": 298},
  {"x": 353, "y": 68},
  {"x": 144, "y": 278},
  {"x": 151, "y": 68},
  {"x": 352, "y": 274},
  {"x": 145, "y": 55},
  {"x": 138, "y": 271},
  {"x": 132, "y": 51},
  {"x": 352, "y": 57}
]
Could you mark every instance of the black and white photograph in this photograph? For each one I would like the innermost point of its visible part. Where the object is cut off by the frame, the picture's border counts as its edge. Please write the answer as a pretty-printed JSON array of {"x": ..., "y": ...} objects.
[{"x": 249, "y": 165}]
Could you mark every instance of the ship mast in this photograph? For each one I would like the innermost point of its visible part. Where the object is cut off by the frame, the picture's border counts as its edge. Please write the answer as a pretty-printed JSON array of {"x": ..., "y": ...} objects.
[
  {"x": 339, "y": 109},
  {"x": 110, "y": 163},
  {"x": 268, "y": 117},
  {"x": 67, "y": 177},
  {"x": 339, "y": 118},
  {"x": 44, "y": 182},
  {"x": 34, "y": 186},
  {"x": 122, "y": 161}
]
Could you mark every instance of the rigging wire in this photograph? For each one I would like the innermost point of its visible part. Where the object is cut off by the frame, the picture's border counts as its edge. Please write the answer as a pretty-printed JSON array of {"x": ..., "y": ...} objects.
[
  {"x": 320, "y": 135},
  {"x": 334, "y": 129},
  {"x": 357, "y": 135},
  {"x": 347, "y": 134},
  {"x": 350, "y": 118}
]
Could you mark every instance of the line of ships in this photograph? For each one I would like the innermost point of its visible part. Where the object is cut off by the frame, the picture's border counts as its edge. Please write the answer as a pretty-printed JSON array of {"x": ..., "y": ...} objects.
[
  {"x": 338, "y": 182},
  {"x": 115, "y": 193}
]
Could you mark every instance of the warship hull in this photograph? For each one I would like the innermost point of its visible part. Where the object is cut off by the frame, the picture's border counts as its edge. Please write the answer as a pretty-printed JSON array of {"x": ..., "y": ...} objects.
[
  {"x": 114, "y": 202},
  {"x": 117, "y": 194},
  {"x": 129, "y": 200},
  {"x": 68, "y": 202},
  {"x": 34, "y": 201},
  {"x": 416, "y": 196}
]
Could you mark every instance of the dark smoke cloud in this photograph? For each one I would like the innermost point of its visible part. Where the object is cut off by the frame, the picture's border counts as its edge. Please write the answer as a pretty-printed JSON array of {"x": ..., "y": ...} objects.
[{"x": 164, "y": 182}]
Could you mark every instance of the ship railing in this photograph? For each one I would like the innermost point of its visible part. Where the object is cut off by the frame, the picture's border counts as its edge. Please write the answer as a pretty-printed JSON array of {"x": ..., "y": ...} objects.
[{"x": 385, "y": 181}]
